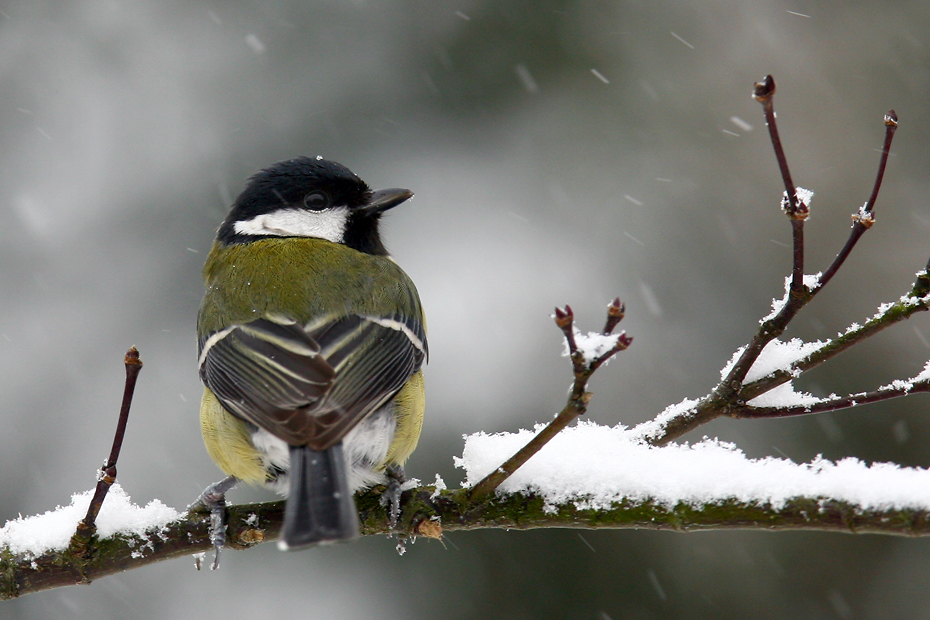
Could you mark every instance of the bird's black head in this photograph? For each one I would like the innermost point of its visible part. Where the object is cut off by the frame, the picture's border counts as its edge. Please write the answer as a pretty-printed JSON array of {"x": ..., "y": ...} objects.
[{"x": 310, "y": 197}]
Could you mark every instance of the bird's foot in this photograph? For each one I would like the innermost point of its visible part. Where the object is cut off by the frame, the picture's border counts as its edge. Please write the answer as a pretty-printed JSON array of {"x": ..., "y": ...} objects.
[
  {"x": 213, "y": 499},
  {"x": 391, "y": 499},
  {"x": 392, "y": 494}
]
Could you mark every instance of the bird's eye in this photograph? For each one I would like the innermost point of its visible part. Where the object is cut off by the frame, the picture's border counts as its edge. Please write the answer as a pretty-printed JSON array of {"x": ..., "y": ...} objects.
[{"x": 316, "y": 200}]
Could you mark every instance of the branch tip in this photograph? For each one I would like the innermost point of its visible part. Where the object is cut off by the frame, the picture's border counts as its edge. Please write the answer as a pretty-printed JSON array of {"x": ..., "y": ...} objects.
[
  {"x": 564, "y": 318},
  {"x": 132, "y": 357},
  {"x": 616, "y": 310},
  {"x": 763, "y": 91}
]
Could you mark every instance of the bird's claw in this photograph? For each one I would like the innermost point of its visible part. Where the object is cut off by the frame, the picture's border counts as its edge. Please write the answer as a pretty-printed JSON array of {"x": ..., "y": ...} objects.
[
  {"x": 392, "y": 494},
  {"x": 213, "y": 499}
]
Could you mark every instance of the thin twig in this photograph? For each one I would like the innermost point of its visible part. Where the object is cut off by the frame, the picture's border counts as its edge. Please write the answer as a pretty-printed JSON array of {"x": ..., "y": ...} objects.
[
  {"x": 107, "y": 474},
  {"x": 833, "y": 404},
  {"x": 615, "y": 313},
  {"x": 565, "y": 320},
  {"x": 797, "y": 263},
  {"x": 797, "y": 210},
  {"x": 864, "y": 218},
  {"x": 764, "y": 92},
  {"x": 578, "y": 397}
]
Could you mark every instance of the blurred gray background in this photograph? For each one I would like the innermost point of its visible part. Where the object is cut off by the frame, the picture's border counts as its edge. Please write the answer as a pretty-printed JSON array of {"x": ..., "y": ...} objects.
[{"x": 561, "y": 152}]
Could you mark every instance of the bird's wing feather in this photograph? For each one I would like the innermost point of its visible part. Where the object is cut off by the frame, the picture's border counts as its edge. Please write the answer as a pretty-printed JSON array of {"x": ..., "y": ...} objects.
[{"x": 310, "y": 386}]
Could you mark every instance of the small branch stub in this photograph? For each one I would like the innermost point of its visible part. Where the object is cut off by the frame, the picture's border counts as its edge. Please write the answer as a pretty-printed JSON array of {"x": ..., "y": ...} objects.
[{"x": 107, "y": 474}]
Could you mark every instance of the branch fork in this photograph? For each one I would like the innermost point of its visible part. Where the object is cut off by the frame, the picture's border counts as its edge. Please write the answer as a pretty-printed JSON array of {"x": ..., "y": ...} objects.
[
  {"x": 585, "y": 363},
  {"x": 731, "y": 396}
]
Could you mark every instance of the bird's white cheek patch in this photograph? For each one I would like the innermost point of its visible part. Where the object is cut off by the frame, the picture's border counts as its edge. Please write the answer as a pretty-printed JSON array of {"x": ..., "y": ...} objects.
[{"x": 329, "y": 224}]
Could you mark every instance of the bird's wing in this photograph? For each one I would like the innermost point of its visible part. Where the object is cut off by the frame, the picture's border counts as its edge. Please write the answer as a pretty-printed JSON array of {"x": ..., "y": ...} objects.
[{"x": 311, "y": 385}]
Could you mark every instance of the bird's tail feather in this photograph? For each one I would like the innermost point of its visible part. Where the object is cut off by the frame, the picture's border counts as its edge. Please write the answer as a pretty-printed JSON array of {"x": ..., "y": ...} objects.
[{"x": 320, "y": 507}]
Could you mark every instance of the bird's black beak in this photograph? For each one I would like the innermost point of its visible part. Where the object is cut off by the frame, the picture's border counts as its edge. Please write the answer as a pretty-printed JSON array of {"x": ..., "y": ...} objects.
[{"x": 384, "y": 199}]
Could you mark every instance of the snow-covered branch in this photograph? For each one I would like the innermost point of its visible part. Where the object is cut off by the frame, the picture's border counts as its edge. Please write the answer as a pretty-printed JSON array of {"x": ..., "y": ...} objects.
[{"x": 587, "y": 477}]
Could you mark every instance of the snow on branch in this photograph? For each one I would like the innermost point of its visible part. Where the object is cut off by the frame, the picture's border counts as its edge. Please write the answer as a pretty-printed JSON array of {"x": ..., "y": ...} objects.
[
  {"x": 595, "y": 467},
  {"x": 32, "y": 537}
]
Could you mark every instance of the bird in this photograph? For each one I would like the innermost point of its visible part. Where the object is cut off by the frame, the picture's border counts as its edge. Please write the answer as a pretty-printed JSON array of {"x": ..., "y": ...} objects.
[{"x": 311, "y": 343}]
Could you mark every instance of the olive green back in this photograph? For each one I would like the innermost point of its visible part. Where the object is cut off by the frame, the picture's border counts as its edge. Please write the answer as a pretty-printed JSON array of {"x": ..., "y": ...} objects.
[{"x": 302, "y": 279}]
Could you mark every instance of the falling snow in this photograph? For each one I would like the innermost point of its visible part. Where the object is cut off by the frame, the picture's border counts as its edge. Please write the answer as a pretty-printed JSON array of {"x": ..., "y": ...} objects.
[
  {"x": 742, "y": 124},
  {"x": 599, "y": 76},
  {"x": 682, "y": 40},
  {"x": 255, "y": 44},
  {"x": 526, "y": 78}
]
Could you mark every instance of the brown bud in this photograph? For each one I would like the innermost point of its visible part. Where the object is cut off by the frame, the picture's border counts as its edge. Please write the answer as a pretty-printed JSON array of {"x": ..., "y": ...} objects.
[{"x": 764, "y": 90}]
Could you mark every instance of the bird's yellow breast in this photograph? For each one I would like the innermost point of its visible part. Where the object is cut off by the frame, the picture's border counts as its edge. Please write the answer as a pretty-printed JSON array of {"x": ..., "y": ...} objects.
[{"x": 229, "y": 442}]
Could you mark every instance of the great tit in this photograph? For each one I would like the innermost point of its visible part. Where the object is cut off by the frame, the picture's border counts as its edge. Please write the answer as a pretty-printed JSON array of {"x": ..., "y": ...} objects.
[{"x": 311, "y": 342}]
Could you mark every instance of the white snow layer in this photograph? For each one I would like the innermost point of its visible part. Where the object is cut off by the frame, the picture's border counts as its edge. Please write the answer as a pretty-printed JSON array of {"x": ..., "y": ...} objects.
[
  {"x": 592, "y": 345},
  {"x": 595, "y": 466},
  {"x": 811, "y": 281},
  {"x": 804, "y": 195},
  {"x": 778, "y": 355},
  {"x": 51, "y": 531}
]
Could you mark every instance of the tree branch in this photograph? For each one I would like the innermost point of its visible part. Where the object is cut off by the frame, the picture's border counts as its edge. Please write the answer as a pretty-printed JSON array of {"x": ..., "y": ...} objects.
[
  {"x": 729, "y": 397},
  {"x": 865, "y": 217},
  {"x": 455, "y": 510},
  {"x": 833, "y": 404},
  {"x": 891, "y": 315}
]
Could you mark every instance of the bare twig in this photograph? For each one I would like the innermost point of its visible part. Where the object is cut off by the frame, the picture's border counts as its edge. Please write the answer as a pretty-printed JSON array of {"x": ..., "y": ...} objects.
[
  {"x": 796, "y": 209},
  {"x": 865, "y": 217},
  {"x": 565, "y": 320},
  {"x": 764, "y": 92},
  {"x": 577, "y": 399},
  {"x": 896, "y": 390},
  {"x": 107, "y": 474}
]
